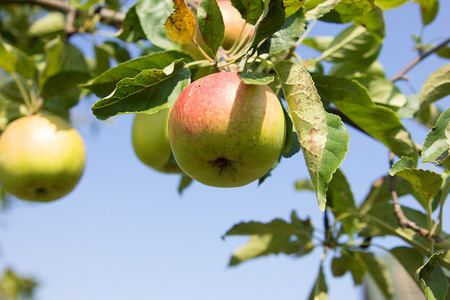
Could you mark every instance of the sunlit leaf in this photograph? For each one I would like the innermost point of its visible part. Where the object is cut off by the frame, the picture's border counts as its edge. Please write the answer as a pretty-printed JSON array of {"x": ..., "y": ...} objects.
[
  {"x": 354, "y": 44},
  {"x": 320, "y": 43},
  {"x": 323, "y": 152},
  {"x": 373, "y": 21},
  {"x": 429, "y": 10},
  {"x": 8, "y": 62},
  {"x": 320, "y": 289},
  {"x": 256, "y": 78},
  {"x": 382, "y": 91},
  {"x": 357, "y": 69},
  {"x": 319, "y": 10},
  {"x": 180, "y": 25},
  {"x": 435, "y": 87},
  {"x": 387, "y": 4},
  {"x": 51, "y": 23},
  {"x": 426, "y": 182},
  {"x": 348, "y": 10},
  {"x": 436, "y": 145},
  {"x": 292, "y": 6},
  {"x": 353, "y": 100}
]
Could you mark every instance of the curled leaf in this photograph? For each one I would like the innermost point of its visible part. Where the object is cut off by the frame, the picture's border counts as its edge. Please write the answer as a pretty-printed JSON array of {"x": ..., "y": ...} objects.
[{"x": 180, "y": 25}]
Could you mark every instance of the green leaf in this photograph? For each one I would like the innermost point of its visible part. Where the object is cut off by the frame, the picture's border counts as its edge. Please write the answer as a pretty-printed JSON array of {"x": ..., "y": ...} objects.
[
  {"x": 435, "y": 87},
  {"x": 105, "y": 83},
  {"x": 435, "y": 284},
  {"x": 383, "y": 92},
  {"x": 357, "y": 69},
  {"x": 354, "y": 44},
  {"x": 387, "y": 4},
  {"x": 304, "y": 184},
  {"x": 115, "y": 50},
  {"x": 131, "y": 30},
  {"x": 51, "y": 23},
  {"x": 211, "y": 24},
  {"x": 292, "y": 6},
  {"x": 349, "y": 261},
  {"x": 320, "y": 43},
  {"x": 323, "y": 153},
  {"x": 380, "y": 192},
  {"x": 61, "y": 90},
  {"x": 149, "y": 91},
  {"x": 436, "y": 145},
  {"x": 378, "y": 270},
  {"x": 429, "y": 10},
  {"x": 353, "y": 100},
  {"x": 152, "y": 15},
  {"x": 8, "y": 62},
  {"x": 272, "y": 20},
  {"x": 185, "y": 181},
  {"x": 340, "y": 201},
  {"x": 427, "y": 183},
  {"x": 444, "y": 52},
  {"x": 256, "y": 78},
  {"x": 373, "y": 21},
  {"x": 276, "y": 226},
  {"x": 443, "y": 193},
  {"x": 285, "y": 38},
  {"x": 409, "y": 258},
  {"x": 250, "y": 10},
  {"x": 319, "y": 10},
  {"x": 102, "y": 60},
  {"x": 262, "y": 245},
  {"x": 320, "y": 289},
  {"x": 348, "y": 10}
]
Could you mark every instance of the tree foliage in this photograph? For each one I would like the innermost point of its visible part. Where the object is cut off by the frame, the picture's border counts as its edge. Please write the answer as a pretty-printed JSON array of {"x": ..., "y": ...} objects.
[{"x": 42, "y": 70}]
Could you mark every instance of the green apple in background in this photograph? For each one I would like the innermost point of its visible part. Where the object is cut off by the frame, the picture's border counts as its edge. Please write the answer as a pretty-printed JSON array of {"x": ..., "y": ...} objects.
[
  {"x": 151, "y": 141},
  {"x": 42, "y": 158},
  {"x": 225, "y": 133}
]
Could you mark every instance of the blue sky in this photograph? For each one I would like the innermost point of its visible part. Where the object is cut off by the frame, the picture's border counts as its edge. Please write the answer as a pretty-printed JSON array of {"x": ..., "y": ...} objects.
[{"x": 125, "y": 233}]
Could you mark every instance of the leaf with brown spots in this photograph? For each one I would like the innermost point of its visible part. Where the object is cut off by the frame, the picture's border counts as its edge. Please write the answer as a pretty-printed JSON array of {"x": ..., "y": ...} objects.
[
  {"x": 323, "y": 136},
  {"x": 180, "y": 25}
]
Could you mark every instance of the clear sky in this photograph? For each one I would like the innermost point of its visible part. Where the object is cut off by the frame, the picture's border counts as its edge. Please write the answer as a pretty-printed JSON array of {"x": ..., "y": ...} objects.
[{"x": 125, "y": 233}]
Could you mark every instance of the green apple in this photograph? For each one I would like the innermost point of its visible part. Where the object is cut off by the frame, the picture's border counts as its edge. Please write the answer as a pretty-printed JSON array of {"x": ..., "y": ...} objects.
[
  {"x": 42, "y": 158},
  {"x": 151, "y": 141},
  {"x": 225, "y": 133}
]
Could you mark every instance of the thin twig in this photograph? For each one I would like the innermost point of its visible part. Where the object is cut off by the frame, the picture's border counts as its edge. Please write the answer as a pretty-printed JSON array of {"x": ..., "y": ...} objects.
[
  {"x": 422, "y": 55},
  {"x": 403, "y": 221},
  {"x": 108, "y": 16}
]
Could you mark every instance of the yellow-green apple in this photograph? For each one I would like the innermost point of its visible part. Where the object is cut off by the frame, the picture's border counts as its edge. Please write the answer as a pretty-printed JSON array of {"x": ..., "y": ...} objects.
[
  {"x": 225, "y": 133},
  {"x": 42, "y": 158},
  {"x": 151, "y": 142}
]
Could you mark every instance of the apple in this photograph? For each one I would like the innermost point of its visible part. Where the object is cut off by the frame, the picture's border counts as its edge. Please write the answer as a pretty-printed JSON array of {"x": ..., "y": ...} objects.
[
  {"x": 42, "y": 158},
  {"x": 151, "y": 141},
  {"x": 225, "y": 133},
  {"x": 233, "y": 25}
]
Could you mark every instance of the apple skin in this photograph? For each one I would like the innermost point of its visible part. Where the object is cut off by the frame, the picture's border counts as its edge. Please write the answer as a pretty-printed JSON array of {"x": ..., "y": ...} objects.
[
  {"x": 151, "y": 141},
  {"x": 42, "y": 158},
  {"x": 233, "y": 25},
  {"x": 225, "y": 133}
]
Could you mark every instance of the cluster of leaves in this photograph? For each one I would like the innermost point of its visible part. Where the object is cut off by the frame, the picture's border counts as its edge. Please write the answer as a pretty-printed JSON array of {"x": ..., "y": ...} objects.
[
  {"x": 14, "y": 287},
  {"x": 43, "y": 70}
]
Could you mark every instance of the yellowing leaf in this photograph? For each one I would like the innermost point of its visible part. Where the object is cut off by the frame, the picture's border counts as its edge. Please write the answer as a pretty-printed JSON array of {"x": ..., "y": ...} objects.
[{"x": 180, "y": 25}]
